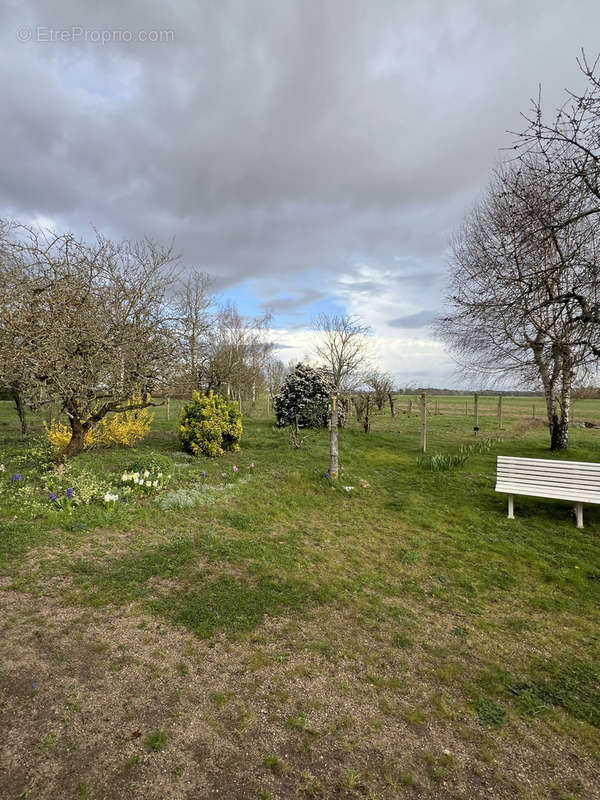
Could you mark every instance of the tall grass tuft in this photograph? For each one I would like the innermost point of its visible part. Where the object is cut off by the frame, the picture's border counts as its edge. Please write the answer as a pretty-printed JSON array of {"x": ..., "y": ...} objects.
[{"x": 438, "y": 462}]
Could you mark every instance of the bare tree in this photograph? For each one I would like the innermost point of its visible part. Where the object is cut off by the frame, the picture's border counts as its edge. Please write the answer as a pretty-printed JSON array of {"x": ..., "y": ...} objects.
[
  {"x": 510, "y": 277},
  {"x": 191, "y": 301},
  {"x": 14, "y": 307},
  {"x": 95, "y": 330},
  {"x": 362, "y": 402},
  {"x": 236, "y": 354},
  {"x": 275, "y": 373},
  {"x": 359, "y": 401},
  {"x": 391, "y": 402},
  {"x": 342, "y": 350},
  {"x": 565, "y": 147},
  {"x": 381, "y": 384},
  {"x": 568, "y": 144}
]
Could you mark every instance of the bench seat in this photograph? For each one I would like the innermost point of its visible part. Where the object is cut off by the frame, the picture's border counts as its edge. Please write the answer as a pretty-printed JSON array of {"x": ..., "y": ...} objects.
[{"x": 575, "y": 481}]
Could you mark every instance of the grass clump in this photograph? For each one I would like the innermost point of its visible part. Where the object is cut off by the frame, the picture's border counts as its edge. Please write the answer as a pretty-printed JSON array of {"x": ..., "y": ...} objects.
[
  {"x": 439, "y": 462},
  {"x": 157, "y": 741},
  {"x": 489, "y": 713},
  {"x": 275, "y": 764}
]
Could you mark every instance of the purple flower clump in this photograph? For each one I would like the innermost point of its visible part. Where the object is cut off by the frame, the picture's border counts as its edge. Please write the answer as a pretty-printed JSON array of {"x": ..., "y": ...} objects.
[
  {"x": 16, "y": 477},
  {"x": 52, "y": 497},
  {"x": 69, "y": 492}
]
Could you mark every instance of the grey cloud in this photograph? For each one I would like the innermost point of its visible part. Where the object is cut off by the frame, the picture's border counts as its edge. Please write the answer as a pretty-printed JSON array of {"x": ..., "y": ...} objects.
[
  {"x": 420, "y": 277},
  {"x": 419, "y": 320},
  {"x": 278, "y": 141},
  {"x": 293, "y": 304}
]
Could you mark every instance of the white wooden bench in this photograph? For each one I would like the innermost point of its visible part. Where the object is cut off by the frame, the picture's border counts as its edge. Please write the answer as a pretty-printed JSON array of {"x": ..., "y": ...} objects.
[{"x": 576, "y": 481}]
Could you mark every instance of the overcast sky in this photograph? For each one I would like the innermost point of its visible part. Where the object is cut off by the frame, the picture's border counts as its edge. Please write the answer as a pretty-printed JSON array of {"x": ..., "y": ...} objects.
[{"x": 310, "y": 154}]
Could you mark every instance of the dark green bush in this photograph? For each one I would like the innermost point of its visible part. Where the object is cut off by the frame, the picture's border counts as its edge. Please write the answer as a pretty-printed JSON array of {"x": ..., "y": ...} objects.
[{"x": 305, "y": 398}]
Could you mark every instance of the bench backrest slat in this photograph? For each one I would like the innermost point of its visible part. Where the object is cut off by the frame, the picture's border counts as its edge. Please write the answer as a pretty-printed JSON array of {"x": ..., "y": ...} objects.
[{"x": 541, "y": 477}]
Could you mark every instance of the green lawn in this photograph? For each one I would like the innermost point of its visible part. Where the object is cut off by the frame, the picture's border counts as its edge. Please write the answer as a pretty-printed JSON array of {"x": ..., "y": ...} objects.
[{"x": 283, "y": 637}]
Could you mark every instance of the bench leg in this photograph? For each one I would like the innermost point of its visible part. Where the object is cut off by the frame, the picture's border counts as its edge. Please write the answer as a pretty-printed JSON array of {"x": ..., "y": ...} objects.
[
  {"x": 579, "y": 514},
  {"x": 511, "y": 507}
]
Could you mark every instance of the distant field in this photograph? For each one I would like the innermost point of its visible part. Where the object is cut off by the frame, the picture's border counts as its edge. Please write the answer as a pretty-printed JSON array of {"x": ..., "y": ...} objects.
[
  {"x": 462, "y": 405},
  {"x": 276, "y": 635}
]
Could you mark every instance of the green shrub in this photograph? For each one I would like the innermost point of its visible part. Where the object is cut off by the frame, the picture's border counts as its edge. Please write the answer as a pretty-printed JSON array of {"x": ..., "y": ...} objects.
[
  {"x": 209, "y": 425},
  {"x": 155, "y": 462}
]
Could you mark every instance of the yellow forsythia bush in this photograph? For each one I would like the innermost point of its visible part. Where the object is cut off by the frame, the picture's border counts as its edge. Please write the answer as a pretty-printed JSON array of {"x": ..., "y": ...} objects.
[
  {"x": 59, "y": 436},
  {"x": 124, "y": 429}
]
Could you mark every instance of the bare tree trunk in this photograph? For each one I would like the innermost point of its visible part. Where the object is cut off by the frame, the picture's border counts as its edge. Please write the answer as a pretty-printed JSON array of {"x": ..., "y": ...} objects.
[
  {"x": 560, "y": 428},
  {"x": 345, "y": 401},
  {"x": 78, "y": 432},
  {"x": 392, "y": 407},
  {"x": 366, "y": 423},
  {"x": 549, "y": 400},
  {"x": 295, "y": 434},
  {"x": 333, "y": 440},
  {"x": 358, "y": 409},
  {"x": 16, "y": 394}
]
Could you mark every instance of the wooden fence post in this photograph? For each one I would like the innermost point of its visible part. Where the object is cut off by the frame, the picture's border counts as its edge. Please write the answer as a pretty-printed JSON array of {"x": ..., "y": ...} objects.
[
  {"x": 409, "y": 407},
  {"x": 476, "y": 413},
  {"x": 436, "y": 407},
  {"x": 168, "y": 408},
  {"x": 423, "y": 424},
  {"x": 499, "y": 410}
]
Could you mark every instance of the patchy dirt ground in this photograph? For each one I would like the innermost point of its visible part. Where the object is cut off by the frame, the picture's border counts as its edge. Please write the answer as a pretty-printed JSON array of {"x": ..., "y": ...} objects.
[{"x": 113, "y": 704}]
